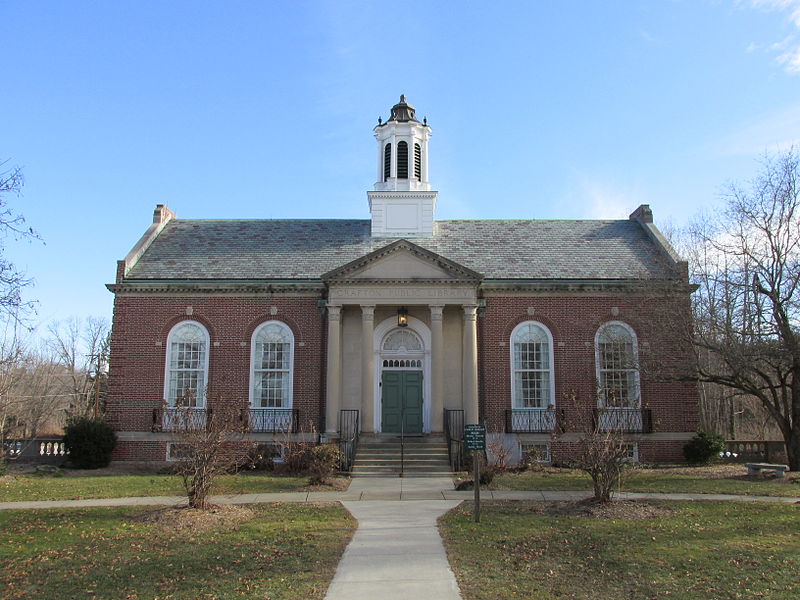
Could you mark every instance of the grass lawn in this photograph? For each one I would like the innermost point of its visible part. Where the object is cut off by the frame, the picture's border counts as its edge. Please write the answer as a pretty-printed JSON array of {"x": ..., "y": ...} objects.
[
  {"x": 277, "y": 551},
  {"x": 716, "y": 479},
  {"x": 676, "y": 550},
  {"x": 74, "y": 487}
]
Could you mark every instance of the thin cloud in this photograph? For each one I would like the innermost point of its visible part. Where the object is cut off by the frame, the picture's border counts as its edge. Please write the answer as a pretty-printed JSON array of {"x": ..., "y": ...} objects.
[
  {"x": 791, "y": 60},
  {"x": 789, "y": 47},
  {"x": 774, "y": 132},
  {"x": 603, "y": 201}
]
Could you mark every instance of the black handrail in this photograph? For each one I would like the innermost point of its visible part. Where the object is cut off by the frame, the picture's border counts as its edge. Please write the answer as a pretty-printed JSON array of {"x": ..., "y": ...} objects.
[
  {"x": 348, "y": 437},
  {"x": 454, "y": 436},
  {"x": 402, "y": 437}
]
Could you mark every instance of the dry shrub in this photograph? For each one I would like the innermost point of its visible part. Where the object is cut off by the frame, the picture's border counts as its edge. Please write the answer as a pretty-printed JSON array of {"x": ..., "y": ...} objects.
[{"x": 324, "y": 463}]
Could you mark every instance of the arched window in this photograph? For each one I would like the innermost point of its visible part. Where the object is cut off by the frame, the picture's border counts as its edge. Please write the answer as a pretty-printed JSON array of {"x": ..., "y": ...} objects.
[
  {"x": 616, "y": 356},
  {"x": 387, "y": 162},
  {"x": 186, "y": 365},
  {"x": 271, "y": 366},
  {"x": 532, "y": 382},
  {"x": 402, "y": 160},
  {"x": 402, "y": 341},
  {"x": 417, "y": 162}
]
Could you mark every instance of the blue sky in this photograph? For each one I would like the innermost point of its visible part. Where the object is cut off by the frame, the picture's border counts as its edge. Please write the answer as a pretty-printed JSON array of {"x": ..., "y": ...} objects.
[{"x": 569, "y": 109}]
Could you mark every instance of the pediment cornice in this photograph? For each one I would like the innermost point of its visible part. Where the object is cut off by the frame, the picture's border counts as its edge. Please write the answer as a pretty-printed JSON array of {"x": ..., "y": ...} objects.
[{"x": 448, "y": 271}]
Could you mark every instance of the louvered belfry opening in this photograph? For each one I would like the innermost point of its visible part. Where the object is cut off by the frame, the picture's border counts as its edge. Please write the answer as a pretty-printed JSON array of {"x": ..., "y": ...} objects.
[
  {"x": 402, "y": 160},
  {"x": 387, "y": 162},
  {"x": 417, "y": 162}
]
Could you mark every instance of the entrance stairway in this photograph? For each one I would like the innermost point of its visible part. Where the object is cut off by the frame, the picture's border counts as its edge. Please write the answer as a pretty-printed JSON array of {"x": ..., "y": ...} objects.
[{"x": 380, "y": 457}]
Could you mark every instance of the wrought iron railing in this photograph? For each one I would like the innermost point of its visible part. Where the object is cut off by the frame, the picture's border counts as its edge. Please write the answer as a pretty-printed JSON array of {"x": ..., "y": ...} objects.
[
  {"x": 348, "y": 437},
  {"x": 180, "y": 418},
  {"x": 623, "y": 420},
  {"x": 530, "y": 420},
  {"x": 272, "y": 420},
  {"x": 454, "y": 436}
]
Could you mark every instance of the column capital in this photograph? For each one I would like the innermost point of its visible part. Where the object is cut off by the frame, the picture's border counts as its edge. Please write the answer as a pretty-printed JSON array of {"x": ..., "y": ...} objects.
[
  {"x": 436, "y": 311},
  {"x": 367, "y": 312},
  {"x": 470, "y": 311},
  {"x": 334, "y": 312}
]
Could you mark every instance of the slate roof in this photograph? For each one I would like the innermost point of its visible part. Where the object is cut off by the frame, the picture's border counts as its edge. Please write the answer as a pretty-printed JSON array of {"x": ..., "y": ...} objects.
[{"x": 305, "y": 249}]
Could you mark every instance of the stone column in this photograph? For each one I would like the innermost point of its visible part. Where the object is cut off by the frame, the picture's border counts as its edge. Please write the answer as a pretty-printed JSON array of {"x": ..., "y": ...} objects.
[
  {"x": 333, "y": 397},
  {"x": 367, "y": 368},
  {"x": 469, "y": 364},
  {"x": 437, "y": 369}
]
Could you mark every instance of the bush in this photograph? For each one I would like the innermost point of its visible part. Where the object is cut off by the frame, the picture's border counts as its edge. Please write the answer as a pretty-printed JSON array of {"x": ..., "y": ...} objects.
[
  {"x": 89, "y": 442},
  {"x": 324, "y": 462},
  {"x": 703, "y": 448}
]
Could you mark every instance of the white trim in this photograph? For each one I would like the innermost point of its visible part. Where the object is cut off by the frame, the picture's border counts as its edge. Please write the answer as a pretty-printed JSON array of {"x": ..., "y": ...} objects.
[
  {"x": 634, "y": 457},
  {"x": 635, "y": 369},
  {"x": 170, "y": 446},
  {"x": 552, "y": 370},
  {"x": 424, "y": 333},
  {"x": 548, "y": 455},
  {"x": 201, "y": 399},
  {"x": 251, "y": 390}
]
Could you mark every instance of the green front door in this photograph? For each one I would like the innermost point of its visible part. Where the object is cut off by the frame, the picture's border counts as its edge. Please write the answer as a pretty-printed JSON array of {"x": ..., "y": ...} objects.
[{"x": 401, "y": 401}]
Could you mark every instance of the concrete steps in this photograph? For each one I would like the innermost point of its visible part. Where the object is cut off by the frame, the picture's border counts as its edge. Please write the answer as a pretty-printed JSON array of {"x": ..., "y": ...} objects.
[{"x": 381, "y": 458}]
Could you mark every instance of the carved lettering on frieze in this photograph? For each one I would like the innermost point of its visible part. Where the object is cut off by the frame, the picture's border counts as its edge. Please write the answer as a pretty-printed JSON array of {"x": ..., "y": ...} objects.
[{"x": 404, "y": 293}]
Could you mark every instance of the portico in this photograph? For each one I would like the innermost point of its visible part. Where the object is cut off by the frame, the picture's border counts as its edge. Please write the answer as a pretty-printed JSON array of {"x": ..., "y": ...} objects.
[{"x": 439, "y": 339}]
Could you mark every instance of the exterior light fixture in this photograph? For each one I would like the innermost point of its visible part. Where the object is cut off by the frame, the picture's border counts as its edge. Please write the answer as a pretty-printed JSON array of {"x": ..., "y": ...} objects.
[{"x": 402, "y": 317}]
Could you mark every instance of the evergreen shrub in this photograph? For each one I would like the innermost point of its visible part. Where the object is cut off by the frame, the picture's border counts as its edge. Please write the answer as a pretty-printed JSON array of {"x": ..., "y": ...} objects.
[
  {"x": 89, "y": 442},
  {"x": 703, "y": 448}
]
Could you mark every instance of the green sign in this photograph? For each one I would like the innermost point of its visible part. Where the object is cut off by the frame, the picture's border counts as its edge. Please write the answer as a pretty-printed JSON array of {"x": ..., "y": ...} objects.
[{"x": 475, "y": 437}]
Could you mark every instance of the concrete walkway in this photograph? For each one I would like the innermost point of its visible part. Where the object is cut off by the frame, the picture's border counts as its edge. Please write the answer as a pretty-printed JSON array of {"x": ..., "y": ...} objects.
[
  {"x": 386, "y": 489},
  {"x": 395, "y": 554}
]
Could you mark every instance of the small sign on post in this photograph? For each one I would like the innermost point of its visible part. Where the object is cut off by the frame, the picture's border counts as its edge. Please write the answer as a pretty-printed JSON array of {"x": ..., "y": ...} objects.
[{"x": 475, "y": 441}]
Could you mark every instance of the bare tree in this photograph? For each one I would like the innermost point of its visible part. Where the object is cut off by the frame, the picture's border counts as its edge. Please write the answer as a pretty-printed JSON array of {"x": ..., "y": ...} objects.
[
  {"x": 747, "y": 265},
  {"x": 208, "y": 443},
  {"x": 601, "y": 448},
  {"x": 80, "y": 346},
  {"x": 33, "y": 397},
  {"x": 12, "y": 224}
]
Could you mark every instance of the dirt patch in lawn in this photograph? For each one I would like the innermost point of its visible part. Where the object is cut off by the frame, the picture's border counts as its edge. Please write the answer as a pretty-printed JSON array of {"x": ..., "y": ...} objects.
[
  {"x": 618, "y": 509},
  {"x": 334, "y": 484},
  {"x": 183, "y": 518}
]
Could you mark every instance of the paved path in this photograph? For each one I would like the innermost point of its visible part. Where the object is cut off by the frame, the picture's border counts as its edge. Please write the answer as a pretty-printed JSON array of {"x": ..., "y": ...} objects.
[
  {"x": 395, "y": 554},
  {"x": 393, "y": 489}
]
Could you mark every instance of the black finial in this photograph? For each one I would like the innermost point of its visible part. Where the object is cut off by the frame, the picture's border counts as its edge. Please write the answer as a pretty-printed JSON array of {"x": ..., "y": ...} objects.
[
  {"x": 424, "y": 120},
  {"x": 402, "y": 97},
  {"x": 380, "y": 120}
]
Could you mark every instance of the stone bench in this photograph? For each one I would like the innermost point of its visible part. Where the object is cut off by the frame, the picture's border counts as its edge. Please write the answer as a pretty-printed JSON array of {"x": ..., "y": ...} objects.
[{"x": 756, "y": 468}]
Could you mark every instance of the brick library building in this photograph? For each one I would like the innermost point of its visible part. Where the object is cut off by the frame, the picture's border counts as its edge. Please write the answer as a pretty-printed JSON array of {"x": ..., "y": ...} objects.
[{"x": 402, "y": 324}]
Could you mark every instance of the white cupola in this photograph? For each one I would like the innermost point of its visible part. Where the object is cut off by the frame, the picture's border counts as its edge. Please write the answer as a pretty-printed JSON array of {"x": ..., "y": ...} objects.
[{"x": 402, "y": 204}]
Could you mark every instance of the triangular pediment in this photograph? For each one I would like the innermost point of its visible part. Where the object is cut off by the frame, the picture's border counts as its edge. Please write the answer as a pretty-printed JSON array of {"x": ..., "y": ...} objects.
[{"x": 402, "y": 261}]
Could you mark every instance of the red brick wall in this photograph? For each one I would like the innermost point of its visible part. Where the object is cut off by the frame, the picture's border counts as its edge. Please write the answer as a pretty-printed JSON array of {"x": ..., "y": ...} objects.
[
  {"x": 140, "y": 450},
  {"x": 573, "y": 322},
  {"x": 136, "y": 382}
]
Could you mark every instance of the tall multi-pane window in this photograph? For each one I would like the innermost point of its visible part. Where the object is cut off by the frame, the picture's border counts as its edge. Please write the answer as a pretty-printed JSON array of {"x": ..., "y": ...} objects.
[
  {"x": 271, "y": 376},
  {"x": 417, "y": 162},
  {"x": 617, "y": 366},
  {"x": 531, "y": 366},
  {"x": 402, "y": 160},
  {"x": 387, "y": 162},
  {"x": 187, "y": 365}
]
